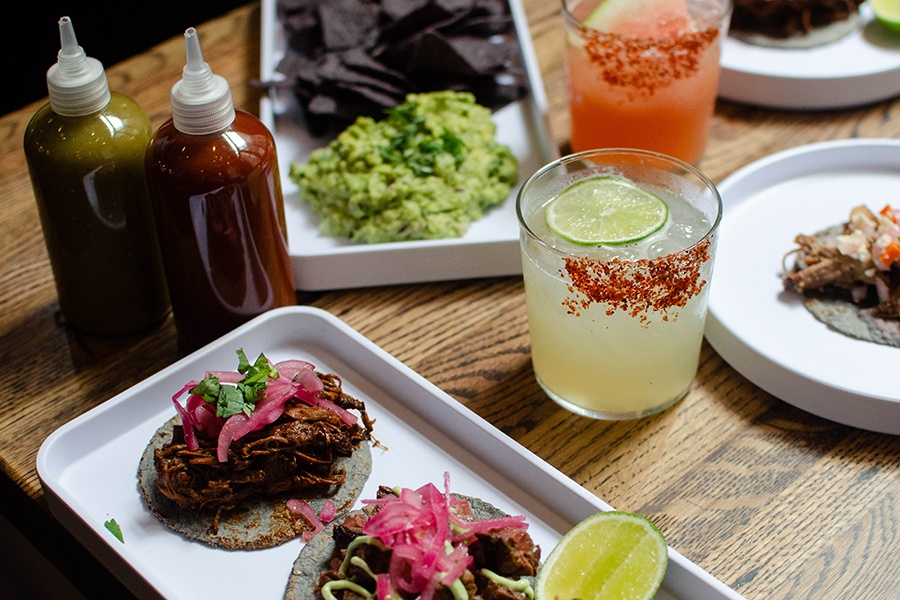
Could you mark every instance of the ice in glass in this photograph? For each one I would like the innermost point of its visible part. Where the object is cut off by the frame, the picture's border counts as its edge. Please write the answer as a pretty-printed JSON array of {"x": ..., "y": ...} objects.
[{"x": 616, "y": 330}]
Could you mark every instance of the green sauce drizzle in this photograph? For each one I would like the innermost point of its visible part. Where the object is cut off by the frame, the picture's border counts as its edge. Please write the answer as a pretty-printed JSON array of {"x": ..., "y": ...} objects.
[
  {"x": 521, "y": 585},
  {"x": 344, "y": 584}
]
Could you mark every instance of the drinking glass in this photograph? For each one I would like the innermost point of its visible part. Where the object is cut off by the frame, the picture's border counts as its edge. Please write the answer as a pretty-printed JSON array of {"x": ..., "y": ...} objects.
[
  {"x": 616, "y": 330},
  {"x": 647, "y": 80}
]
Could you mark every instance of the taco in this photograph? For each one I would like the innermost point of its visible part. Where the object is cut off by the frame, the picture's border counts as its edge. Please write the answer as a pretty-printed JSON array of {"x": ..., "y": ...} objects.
[
  {"x": 848, "y": 275},
  {"x": 794, "y": 24},
  {"x": 418, "y": 543},
  {"x": 256, "y": 455}
]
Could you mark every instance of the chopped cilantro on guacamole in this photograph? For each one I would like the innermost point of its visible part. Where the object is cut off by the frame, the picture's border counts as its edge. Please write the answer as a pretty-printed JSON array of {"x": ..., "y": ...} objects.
[{"x": 425, "y": 171}]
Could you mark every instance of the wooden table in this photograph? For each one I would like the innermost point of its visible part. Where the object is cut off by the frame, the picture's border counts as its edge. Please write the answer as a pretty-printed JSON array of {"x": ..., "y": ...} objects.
[{"x": 773, "y": 501}]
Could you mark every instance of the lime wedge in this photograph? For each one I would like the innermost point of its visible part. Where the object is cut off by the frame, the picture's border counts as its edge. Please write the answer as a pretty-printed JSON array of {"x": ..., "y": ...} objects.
[
  {"x": 887, "y": 12},
  {"x": 608, "y": 555},
  {"x": 605, "y": 210}
]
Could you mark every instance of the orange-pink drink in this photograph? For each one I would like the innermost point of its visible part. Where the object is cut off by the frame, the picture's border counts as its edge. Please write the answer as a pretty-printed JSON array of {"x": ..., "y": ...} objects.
[{"x": 644, "y": 73}]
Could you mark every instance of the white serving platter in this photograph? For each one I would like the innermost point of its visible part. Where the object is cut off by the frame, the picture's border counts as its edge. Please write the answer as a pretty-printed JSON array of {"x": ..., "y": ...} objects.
[
  {"x": 488, "y": 249},
  {"x": 765, "y": 333},
  {"x": 861, "y": 68},
  {"x": 88, "y": 467}
]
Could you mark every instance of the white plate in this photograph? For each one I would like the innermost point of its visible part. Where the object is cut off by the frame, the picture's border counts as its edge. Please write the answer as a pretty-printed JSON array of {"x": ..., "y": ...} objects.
[
  {"x": 490, "y": 248},
  {"x": 88, "y": 467},
  {"x": 861, "y": 68},
  {"x": 766, "y": 334}
]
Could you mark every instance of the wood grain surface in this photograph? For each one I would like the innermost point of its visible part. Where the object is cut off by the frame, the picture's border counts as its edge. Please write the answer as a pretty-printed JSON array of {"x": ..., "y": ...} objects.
[{"x": 773, "y": 501}]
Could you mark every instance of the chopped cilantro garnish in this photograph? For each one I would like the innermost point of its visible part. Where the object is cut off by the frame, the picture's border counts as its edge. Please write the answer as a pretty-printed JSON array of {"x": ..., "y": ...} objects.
[
  {"x": 233, "y": 399},
  {"x": 114, "y": 529},
  {"x": 415, "y": 145}
]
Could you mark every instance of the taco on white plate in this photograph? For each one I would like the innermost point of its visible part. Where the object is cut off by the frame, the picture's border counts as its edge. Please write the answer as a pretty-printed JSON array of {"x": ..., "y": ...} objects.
[
  {"x": 848, "y": 275},
  {"x": 254, "y": 456}
]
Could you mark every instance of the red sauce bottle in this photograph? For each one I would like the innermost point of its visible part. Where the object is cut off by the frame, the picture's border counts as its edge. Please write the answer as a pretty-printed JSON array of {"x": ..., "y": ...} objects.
[{"x": 216, "y": 194}]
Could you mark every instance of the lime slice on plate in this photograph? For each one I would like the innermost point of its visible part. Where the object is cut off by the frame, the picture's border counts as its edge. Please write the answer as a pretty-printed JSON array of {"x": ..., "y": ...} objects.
[
  {"x": 887, "y": 12},
  {"x": 605, "y": 210},
  {"x": 608, "y": 555}
]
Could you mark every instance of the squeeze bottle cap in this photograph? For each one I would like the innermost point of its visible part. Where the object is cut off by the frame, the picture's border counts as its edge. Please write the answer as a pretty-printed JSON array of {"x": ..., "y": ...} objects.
[
  {"x": 76, "y": 83},
  {"x": 201, "y": 101}
]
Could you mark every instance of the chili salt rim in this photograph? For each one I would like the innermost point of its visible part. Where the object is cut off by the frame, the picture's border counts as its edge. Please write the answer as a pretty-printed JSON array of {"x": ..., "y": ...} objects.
[
  {"x": 610, "y": 282},
  {"x": 642, "y": 64}
]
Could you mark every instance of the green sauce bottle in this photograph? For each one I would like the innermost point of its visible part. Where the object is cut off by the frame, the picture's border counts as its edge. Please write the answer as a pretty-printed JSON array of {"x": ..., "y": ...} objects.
[{"x": 85, "y": 152}]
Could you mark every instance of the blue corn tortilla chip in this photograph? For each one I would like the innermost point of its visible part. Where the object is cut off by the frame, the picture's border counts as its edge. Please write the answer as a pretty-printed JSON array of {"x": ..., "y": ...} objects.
[{"x": 351, "y": 58}]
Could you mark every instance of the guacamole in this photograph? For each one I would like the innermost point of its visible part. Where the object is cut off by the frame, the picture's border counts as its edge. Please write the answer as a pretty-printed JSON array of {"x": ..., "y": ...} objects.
[{"x": 425, "y": 171}]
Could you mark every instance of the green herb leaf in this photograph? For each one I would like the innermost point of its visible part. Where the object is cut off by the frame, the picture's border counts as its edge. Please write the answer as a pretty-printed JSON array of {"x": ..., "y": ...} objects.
[
  {"x": 416, "y": 145},
  {"x": 114, "y": 529},
  {"x": 230, "y": 400},
  {"x": 259, "y": 372},
  {"x": 243, "y": 363},
  {"x": 209, "y": 388}
]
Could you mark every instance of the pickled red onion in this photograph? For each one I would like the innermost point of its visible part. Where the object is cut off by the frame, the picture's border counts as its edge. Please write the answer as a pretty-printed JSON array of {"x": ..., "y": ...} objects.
[
  {"x": 296, "y": 379},
  {"x": 225, "y": 376},
  {"x": 418, "y": 526},
  {"x": 302, "y": 372},
  {"x": 328, "y": 512},
  {"x": 304, "y": 509},
  {"x": 346, "y": 416},
  {"x": 268, "y": 408},
  {"x": 187, "y": 421},
  {"x": 383, "y": 587}
]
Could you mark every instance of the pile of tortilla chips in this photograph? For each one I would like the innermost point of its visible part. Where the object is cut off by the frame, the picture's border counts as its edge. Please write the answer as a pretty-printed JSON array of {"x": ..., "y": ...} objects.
[{"x": 346, "y": 58}]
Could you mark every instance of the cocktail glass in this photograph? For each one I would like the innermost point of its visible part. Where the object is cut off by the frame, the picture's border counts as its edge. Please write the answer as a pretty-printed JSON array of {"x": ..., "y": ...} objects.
[
  {"x": 647, "y": 80},
  {"x": 616, "y": 330}
]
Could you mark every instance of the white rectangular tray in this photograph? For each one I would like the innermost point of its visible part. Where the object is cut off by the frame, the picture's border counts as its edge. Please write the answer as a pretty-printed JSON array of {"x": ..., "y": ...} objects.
[
  {"x": 489, "y": 249},
  {"x": 88, "y": 467}
]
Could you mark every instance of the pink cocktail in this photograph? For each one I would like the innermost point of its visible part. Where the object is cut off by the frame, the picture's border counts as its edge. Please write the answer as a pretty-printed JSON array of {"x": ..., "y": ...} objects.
[{"x": 644, "y": 74}]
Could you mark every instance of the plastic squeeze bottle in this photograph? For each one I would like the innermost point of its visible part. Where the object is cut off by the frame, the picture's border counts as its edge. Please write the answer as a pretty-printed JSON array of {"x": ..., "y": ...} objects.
[
  {"x": 216, "y": 193},
  {"x": 85, "y": 153}
]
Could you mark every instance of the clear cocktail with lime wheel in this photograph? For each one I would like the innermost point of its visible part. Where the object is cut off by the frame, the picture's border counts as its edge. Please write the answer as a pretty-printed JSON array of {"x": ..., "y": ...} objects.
[
  {"x": 644, "y": 73},
  {"x": 617, "y": 256}
]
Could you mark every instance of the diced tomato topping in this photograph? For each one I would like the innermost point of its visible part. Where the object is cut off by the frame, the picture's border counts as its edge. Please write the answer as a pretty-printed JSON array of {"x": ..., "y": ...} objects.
[
  {"x": 890, "y": 253},
  {"x": 889, "y": 213}
]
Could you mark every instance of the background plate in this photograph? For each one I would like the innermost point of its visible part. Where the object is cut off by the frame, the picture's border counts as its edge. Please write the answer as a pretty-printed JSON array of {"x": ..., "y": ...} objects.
[
  {"x": 88, "y": 467},
  {"x": 490, "y": 248},
  {"x": 766, "y": 334},
  {"x": 861, "y": 68}
]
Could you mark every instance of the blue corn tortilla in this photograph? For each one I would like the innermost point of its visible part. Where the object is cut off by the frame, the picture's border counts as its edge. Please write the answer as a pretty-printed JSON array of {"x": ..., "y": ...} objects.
[{"x": 849, "y": 319}]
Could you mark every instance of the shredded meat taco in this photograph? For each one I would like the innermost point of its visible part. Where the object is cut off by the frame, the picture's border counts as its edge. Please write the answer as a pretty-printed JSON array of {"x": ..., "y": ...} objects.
[
  {"x": 849, "y": 275},
  {"x": 418, "y": 544},
  {"x": 255, "y": 455}
]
